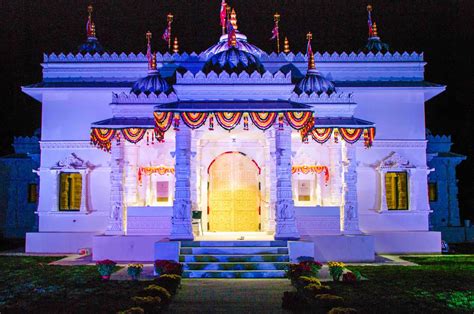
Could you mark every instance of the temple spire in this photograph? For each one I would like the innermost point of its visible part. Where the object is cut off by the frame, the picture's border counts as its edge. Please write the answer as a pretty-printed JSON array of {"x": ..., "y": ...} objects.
[
  {"x": 374, "y": 43},
  {"x": 175, "y": 45},
  {"x": 90, "y": 26},
  {"x": 311, "y": 64},
  {"x": 370, "y": 23},
  {"x": 149, "y": 55},
  {"x": 233, "y": 19},
  {"x": 286, "y": 45}
]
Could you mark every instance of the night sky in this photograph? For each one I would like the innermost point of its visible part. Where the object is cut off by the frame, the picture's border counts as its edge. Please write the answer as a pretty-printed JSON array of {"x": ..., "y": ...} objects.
[{"x": 442, "y": 29}]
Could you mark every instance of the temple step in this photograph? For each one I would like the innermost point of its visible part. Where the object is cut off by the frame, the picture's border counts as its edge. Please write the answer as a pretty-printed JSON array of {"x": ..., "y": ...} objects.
[
  {"x": 235, "y": 266},
  {"x": 234, "y": 274},
  {"x": 230, "y": 250},
  {"x": 234, "y": 259}
]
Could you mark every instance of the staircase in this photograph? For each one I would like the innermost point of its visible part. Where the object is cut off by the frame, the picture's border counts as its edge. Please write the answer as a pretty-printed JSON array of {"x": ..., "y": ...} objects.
[{"x": 234, "y": 259}]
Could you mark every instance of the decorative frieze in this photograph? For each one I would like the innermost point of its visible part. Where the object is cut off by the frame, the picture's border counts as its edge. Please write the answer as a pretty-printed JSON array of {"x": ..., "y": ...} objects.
[
  {"x": 323, "y": 98},
  {"x": 142, "y": 98},
  {"x": 233, "y": 78}
]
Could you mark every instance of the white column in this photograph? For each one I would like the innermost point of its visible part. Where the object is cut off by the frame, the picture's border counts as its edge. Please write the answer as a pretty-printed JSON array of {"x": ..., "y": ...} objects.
[
  {"x": 285, "y": 209},
  {"x": 131, "y": 173},
  {"x": 84, "y": 174},
  {"x": 270, "y": 180},
  {"x": 335, "y": 174},
  {"x": 181, "y": 228},
  {"x": 117, "y": 207},
  {"x": 349, "y": 208}
]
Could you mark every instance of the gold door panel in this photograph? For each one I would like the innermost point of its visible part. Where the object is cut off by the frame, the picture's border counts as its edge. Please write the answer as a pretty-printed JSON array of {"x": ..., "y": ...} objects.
[{"x": 234, "y": 195}]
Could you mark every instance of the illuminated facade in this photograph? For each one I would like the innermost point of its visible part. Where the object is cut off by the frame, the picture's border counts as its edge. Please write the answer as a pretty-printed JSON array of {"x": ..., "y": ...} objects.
[{"x": 332, "y": 152}]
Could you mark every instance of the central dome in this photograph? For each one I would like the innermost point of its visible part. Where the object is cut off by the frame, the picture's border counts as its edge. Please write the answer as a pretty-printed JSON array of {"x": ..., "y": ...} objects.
[
  {"x": 241, "y": 44},
  {"x": 233, "y": 60},
  {"x": 152, "y": 83}
]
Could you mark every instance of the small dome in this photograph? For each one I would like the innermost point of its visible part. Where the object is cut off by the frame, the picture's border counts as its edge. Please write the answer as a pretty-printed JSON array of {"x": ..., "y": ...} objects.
[
  {"x": 233, "y": 60},
  {"x": 91, "y": 46},
  {"x": 152, "y": 83},
  {"x": 375, "y": 45},
  {"x": 241, "y": 44},
  {"x": 314, "y": 82}
]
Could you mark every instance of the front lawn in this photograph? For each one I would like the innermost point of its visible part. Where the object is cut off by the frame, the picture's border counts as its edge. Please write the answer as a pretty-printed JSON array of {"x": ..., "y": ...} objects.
[
  {"x": 440, "y": 284},
  {"x": 29, "y": 284}
]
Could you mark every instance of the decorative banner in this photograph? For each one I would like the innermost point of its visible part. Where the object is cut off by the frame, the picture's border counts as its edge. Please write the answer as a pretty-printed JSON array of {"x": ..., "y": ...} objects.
[
  {"x": 163, "y": 120},
  {"x": 161, "y": 170},
  {"x": 102, "y": 138},
  {"x": 263, "y": 120},
  {"x": 133, "y": 135},
  {"x": 228, "y": 120},
  {"x": 297, "y": 120},
  {"x": 350, "y": 135},
  {"x": 321, "y": 135},
  {"x": 369, "y": 135},
  {"x": 305, "y": 169},
  {"x": 194, "y": 120}
]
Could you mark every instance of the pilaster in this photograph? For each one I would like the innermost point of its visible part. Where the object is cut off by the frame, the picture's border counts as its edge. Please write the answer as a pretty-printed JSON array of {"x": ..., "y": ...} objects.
[
  {"x": 117, "y": 206},
  {"x": 349, "y": 208}
]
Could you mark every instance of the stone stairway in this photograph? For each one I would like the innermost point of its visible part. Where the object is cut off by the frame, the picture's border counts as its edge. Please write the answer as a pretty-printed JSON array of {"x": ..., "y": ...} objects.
[{"x": 234, "y": 259}]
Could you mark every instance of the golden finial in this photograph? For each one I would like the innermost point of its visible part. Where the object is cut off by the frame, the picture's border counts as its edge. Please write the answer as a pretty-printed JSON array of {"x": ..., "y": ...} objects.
[
  {"x": 286, "y": 46},
  {"x": 233, "y": 19},
  {"x": 148, "y": 37},
  {"x": 90, "y": 8},
  {"x": 311, "y": 64},
  {"x": 369, "y": 8},
  {"x": 276, "y": 17},
  {"x": 233, "y": 40},
  {"x": 374, "y": 30},
  {"x": 153, "y": 62},
  {"x": 175, "y": 45},
  {"x": 169, "y": 17},
  {"x": 228, "y": 9},
  {"x": 309, "y": 36}
]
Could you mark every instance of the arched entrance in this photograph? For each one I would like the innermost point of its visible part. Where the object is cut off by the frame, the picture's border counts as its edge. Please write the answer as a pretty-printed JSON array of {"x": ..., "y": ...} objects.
[{"x": 233, "y": 193}]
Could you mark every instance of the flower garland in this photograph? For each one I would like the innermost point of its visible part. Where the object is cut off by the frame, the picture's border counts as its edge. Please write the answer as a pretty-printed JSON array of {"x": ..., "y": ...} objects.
[
  {"x": 161, "y": 170},
  {"x": 305, "y": 169}
]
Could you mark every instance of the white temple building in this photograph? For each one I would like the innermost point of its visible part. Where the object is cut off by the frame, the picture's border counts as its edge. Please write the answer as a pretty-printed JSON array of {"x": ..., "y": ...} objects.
[{"x": 325, "y": 152}]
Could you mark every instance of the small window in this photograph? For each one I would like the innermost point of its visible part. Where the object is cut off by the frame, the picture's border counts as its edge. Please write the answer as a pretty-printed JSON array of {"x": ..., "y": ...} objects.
[
  {"x": 70, "y": 191},
  {"x": 32, "y": 193},
  {"x": 433, "y": 191},
  {"x": 304, "y": 190},
  {"x": 396, "y": 190}
]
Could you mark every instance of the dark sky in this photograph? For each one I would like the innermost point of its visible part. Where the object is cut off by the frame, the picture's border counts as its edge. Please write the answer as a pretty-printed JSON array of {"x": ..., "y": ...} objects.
[{"x": 442, "y": 29}]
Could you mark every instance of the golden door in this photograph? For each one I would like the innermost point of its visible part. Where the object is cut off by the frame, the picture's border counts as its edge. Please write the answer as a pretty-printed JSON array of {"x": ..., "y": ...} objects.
[{"x": 234, "y": 195}]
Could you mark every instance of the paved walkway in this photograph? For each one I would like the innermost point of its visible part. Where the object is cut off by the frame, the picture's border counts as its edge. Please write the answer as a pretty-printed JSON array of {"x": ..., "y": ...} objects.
[{"x": 230, "y": 296}]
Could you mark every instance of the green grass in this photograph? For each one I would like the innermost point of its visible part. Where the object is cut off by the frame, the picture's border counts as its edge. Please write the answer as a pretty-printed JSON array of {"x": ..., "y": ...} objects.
[
  {"x": 29, "y": 284},
  {"x": 442, "y": 284}
]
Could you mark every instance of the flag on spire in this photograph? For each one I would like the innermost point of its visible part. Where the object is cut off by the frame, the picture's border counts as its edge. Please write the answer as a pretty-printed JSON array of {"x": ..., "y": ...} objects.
[
  {"x": 369, "y": 21},
  {"x": 90, "y": 29},
  {"x": 223, "y": 14},
  {"x": 148, "y": 49},
  {"x": 309, "y": 52},
  {"x": 275, "y": 31},
  {"x": 167, "y": 33},
  {"x": 231, "y": 37}
]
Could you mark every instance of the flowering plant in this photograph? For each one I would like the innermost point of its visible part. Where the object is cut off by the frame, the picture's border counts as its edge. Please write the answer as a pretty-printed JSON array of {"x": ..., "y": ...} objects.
[
  {"x": 168, "y": 267},
  {"x": 134, "y": 270},
  {"x": 305, "y": 268},
  {"x": 336, "y": 269},
  {"x": 105, "y": 267}
]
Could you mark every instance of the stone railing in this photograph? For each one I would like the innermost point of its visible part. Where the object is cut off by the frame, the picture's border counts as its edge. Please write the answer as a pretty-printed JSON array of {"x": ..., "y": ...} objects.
[
  {"x": 226, "y": 78},
  {"x": 124, "y": 98},
  {"x": 201, "y": 57}
]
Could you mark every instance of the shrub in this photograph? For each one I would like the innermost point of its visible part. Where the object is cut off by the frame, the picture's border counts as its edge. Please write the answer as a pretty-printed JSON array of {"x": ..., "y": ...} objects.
[
  {"x": 133, "y": 310},
  {"x": 134, "y": 270},
  {"x": 327, "y": 301},
  {"x": 313, "y": 289},
  {"x": 150, "y": 304},
  {"x": 168, "y": 267},
  {"x": 305, "y": 268},
  {"x": 169, "y": 282},
  {"x": 157, "y": 291},
  {"x": 292, "y": 301},
  {"x": 349, "y": 277},
  {"x": 342, "y": 310},
  {"x": 303, "y": 281}
]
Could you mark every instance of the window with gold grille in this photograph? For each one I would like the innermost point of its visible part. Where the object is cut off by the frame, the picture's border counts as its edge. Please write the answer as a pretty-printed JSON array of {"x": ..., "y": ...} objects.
[
  {"x": 396, "y": 190},
  {"x": 433, "y": 191},
  {"x": 70, "y": 191}
]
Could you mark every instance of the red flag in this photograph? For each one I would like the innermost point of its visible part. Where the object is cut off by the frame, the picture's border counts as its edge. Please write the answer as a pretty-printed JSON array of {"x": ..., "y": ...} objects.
[
  {"x": 148, "y": 55},
  {"x": 274, "y": 32},
  {"x": 223, "y": 13},
  {"x": 230, "y": 33},
  {"x": 167, "y": 33}
]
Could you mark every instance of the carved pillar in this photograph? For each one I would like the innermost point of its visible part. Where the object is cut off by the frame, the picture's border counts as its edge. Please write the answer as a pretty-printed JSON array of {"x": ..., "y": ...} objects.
[
  {"x": 335, "y": 183},
  {"x": 84, "y": 175},
  {"x": 270, "y": 180},
  {"x": 349, "y": 208},
  {"x": 285, "y": 210},
  {"x": 117, "y": 206},
  {"x": 181, "y": 228},
  {"x": 131, "y": 174}
]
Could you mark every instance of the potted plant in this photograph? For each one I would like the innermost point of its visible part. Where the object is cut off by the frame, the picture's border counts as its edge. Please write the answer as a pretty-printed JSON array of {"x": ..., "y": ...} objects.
[
  {"x": 336, "y": 269},
  {"x": 168, "y": 267},
  {"x": 105, "y": 268},
  {"x": 134, "y": 270}
]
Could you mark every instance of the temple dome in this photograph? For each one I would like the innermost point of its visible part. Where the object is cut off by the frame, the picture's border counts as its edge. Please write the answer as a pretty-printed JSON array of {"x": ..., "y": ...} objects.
[
  {"x": 233, "y": 60},
  {"x": 241, "y": 44},
  {"x": 152, "y": 83},
  {"x": 315, "y": 82},
  {"x": 91, "y": 46},
  {"x": 374, "y": 45}
]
